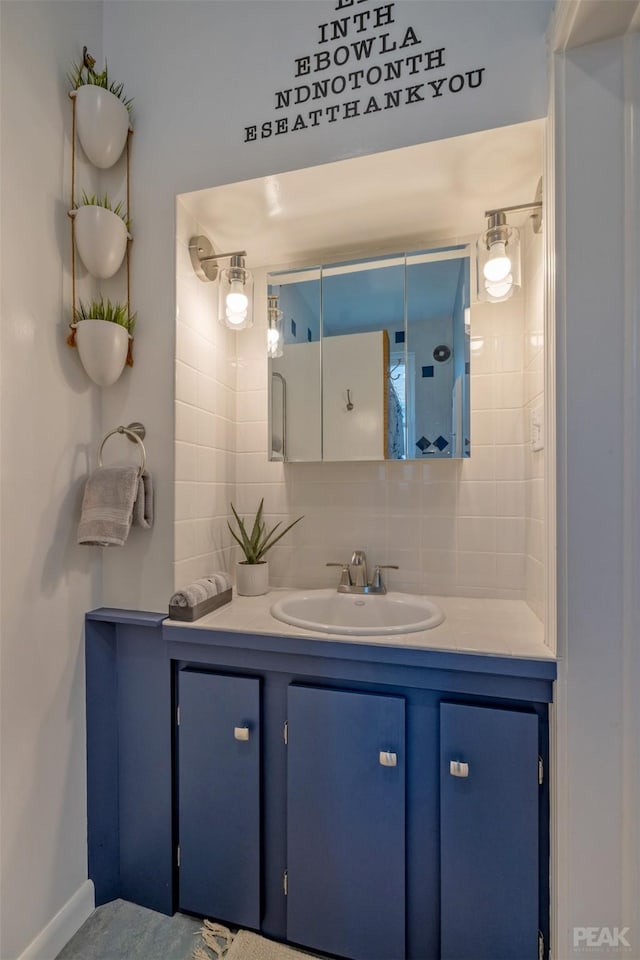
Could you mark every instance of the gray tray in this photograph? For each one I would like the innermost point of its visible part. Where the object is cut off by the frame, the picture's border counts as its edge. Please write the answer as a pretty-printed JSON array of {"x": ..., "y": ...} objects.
[{"x": 200, "y": 609}]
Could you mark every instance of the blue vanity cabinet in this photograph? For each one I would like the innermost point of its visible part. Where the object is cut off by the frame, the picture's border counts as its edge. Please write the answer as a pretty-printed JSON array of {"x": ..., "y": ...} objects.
[
  {"x": 489, "y": 842},
  {"x": 218, "y": 796},
  {"x": 346, "y": 771},
  {"x": 308, "y": 787}
]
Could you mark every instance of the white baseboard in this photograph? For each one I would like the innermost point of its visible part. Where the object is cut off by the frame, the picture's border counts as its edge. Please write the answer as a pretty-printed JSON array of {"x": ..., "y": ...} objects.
[{"x": 67, "y": 921}]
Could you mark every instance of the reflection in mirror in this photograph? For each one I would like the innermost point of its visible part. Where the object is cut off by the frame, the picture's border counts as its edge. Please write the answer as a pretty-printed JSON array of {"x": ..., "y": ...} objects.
[{"x": 375, "y": 360}]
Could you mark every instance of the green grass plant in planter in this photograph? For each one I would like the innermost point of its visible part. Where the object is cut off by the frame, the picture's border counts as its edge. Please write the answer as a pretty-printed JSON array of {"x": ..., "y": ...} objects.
[
  {"x": 103, "y": 332},
  {"x": 83, "y": 74},
  {"x": 102, "y": 112},
  {"x": 252, "y": 573},
  {"x": 105, "y": 203},
  {"x": 105, "y": 310}
]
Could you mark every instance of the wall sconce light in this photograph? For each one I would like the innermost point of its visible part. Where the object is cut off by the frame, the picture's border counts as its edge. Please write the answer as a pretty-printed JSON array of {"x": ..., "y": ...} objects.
[
  {"x": 275, "y": 333},
  {"x": 235, "y": 282},
  {"x": 498, "y": 272}
]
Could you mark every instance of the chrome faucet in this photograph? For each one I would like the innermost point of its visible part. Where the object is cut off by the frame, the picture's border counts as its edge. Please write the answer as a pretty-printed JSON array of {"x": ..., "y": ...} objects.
[
  {"x": 361, "y": 583},
  {"x": 359, "y": 561}
]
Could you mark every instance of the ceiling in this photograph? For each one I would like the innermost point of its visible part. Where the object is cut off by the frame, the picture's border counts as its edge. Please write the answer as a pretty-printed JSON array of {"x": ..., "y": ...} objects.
[{"x": 386, "y": 202}]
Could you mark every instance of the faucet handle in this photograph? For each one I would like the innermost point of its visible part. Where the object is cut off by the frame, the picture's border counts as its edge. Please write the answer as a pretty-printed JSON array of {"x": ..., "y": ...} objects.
[
  {"x": 345, "y": 576},
  {"x": 377, "y": 583}
]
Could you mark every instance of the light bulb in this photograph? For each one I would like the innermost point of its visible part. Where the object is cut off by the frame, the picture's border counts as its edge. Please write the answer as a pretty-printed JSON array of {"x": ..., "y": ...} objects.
[
  {"x": 273, "y": 336},
  {"x": 500, "y": 290},
  {"x": 498, "y": 266},
  {"x": 237, "y": 300}
]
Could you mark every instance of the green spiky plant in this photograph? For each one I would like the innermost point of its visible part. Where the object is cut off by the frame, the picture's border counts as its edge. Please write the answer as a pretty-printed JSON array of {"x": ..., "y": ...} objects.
[
  {"x": 83, "y": 74},
  {"x": 94, "y": 201},
  {"x": 105, "y": 310},
  {"x": 255, "y": 545}
]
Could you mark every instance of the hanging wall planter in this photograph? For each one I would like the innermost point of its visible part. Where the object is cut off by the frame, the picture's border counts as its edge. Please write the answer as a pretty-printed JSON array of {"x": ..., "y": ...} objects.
[
  {"x": 102, "y": 113},
  {"x": 103, "y": 125},
  {"x": 103, "y": 349},
  {"x": 102, "y": 332},
  {"x": 101, "y": 238}
]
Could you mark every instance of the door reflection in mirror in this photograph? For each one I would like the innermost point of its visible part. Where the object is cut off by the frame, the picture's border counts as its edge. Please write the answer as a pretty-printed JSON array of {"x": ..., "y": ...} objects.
[{"x": 375, "y": 364}]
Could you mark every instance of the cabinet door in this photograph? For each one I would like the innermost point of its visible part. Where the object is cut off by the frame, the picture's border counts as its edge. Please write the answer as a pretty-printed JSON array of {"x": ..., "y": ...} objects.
[
  {"x": 219, "y": 796},
  {"x": 346, "y": 823},
  {"x": 489, "y": 833}
]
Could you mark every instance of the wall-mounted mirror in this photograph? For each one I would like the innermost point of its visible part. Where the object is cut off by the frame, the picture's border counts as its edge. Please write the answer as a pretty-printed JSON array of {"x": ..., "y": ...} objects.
[{"x": 374, "y": 360}]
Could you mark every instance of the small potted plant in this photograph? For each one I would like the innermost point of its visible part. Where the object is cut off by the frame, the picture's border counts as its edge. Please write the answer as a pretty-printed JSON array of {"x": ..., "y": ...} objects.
[
  {"x": 103, "y": 332},
  {"x": 101, "y": 234},
  {"x": 252, "y": 573},
  {"x": 102, "y": 112}
]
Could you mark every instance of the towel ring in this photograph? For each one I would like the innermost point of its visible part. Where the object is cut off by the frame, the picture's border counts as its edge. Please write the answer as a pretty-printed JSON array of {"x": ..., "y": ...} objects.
[{"x": 135, "y": 432}]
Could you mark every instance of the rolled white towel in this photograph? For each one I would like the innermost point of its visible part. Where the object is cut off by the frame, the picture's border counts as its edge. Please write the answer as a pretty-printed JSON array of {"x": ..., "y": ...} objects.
[{"x": 200, "y": 590}]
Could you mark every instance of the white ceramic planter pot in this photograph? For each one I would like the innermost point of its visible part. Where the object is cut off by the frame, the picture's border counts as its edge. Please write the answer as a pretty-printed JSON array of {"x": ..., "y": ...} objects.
[
  {"x": 101, "y": 239},
  {"x": 102, "y": 123},
  {"x": 102, "y": 346},
  {"x": 252, "y": 579}
]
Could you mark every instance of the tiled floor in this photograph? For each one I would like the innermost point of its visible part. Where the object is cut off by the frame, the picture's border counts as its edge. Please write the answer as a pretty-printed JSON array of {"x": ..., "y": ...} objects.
[{"x": 124, "y": 931}]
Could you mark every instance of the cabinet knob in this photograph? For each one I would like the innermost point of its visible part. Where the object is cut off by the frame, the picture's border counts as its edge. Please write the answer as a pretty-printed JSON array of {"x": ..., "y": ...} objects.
[
  {"x": 458, "y": 769},
  {"x": 388, "y": 759},
  {"x": 241, "y": 733}
]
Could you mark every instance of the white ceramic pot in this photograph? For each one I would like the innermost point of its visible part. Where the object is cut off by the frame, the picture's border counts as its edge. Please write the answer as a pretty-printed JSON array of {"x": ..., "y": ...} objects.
[
  {"x": 102, "y": 123},
  {"x": 102, "y": 346},
  {"x": 101, "y": 239},
  {"x": 252, "y": 579}
]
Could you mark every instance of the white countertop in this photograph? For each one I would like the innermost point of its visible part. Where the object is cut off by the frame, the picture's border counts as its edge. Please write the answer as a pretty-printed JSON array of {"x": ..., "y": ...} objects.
[{"x": 506, "y": 628}]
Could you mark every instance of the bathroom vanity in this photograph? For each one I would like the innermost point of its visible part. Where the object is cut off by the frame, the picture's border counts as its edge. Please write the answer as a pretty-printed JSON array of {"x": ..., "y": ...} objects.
[{"x": 364, "y": 797}]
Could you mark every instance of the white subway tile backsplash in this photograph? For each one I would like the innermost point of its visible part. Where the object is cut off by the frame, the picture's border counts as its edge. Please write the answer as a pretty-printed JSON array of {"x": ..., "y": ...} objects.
[
  {"x": 404, "y": 497},
  {"x": 476, "y": 569},
  {"x": 509, "y": 427},
  {"x": 510, "y": 535},
  {"x": 477, "y": 499},
  {"x": 484, "y": 350},
  {"x": 186, "y": 423},
  {"x": 481, "y": 465},
  {"x": 510, "y": 498},
  {"x": 510, "y": 570},
  {"x": 510, "y": 391},
  {"x": 185, "y": 460},
  {"x": 536, "y": 539},
  {"x": 510, "y": 462},
  {"x": 250, "y": 438},
  {"x": 511, "y": 353},
  {"x": 186, "y": 384},
  {"x": 252, "y": 406},
  {"x": 439, "y": 499},
  {"x": 186, "y": 501},
  {"x": 483, "y": 391},
  {"x": 483, "y": 430},
  {"x": 436, "y": 533},
  {"x": 476, "y": 534}
]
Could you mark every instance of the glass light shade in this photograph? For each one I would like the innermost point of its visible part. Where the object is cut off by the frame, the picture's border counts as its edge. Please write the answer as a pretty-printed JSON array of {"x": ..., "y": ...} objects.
[
  {"x": 235, "y": 296},
  {"x": 498, "y": 270},
  {"x": 499, "y": 290},
  {"x": 275, "y": 332}
]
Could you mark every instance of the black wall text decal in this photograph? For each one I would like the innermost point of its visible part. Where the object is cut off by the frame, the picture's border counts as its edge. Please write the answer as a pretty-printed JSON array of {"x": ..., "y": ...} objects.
[{"x": 364, "y": 63}]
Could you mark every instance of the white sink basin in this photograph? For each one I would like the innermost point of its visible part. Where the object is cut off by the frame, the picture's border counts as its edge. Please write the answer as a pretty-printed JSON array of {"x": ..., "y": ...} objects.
[{"x": 357, "y": 614}]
